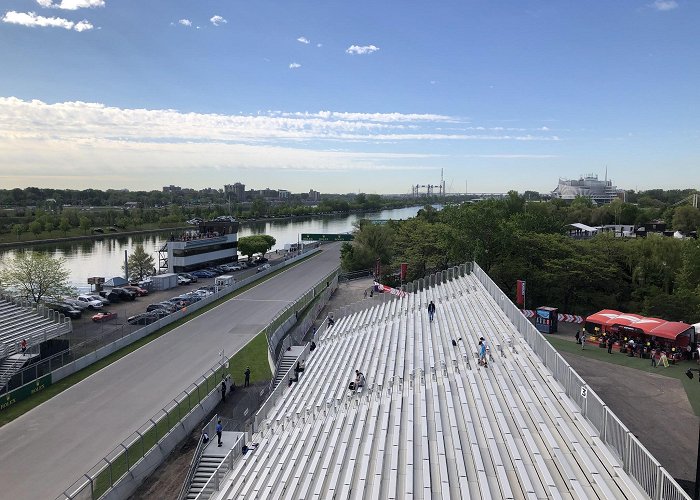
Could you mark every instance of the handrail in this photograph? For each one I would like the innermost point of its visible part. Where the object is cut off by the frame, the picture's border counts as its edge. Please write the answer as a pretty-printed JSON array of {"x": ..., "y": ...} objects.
[{"x": 209, "y": 429}]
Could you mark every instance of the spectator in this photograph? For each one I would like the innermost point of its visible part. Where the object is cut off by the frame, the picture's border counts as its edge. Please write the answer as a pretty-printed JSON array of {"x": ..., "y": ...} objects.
[
  {"x": 246, "y": 383},
  {"x": 610, "y": 345},
  {"x": 578, "y": 337},
  {"x": 223, "y": 390},
  {"x": 23, "y": 345},
  {"x": 431, "y": 310},
  {"x": 359, "y": 379},
  {"x": 663, "y": 360},
  {"x": 583, "y": 339}
]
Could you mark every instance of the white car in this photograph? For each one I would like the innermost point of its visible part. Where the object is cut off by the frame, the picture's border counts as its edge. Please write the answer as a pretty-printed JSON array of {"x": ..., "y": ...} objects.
[
  {"x": 263, "y": 267},
  {"x": 90, "y": 301},
  {"x": 105, "y": 301}
]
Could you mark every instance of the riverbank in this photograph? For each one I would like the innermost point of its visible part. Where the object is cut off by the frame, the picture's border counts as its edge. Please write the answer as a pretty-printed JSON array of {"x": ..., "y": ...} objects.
[{"x": 110, "y": 235}]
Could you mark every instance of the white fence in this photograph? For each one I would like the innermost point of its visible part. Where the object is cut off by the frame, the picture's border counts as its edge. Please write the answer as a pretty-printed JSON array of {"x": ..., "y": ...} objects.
[{"x": 635, "y": 458}]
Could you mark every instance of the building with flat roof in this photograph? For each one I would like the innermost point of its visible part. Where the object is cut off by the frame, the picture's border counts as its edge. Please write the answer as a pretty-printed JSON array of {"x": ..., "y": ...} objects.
[
  {"x": 237, "y": 189},
  {"x": 213, "y": 243},
  {"x": 589, "y": 186}
]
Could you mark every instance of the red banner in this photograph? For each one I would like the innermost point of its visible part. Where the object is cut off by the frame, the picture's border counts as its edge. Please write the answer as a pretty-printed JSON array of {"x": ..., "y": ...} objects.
[
  {"x": 520, "y": 293},
  {"x": 404, "y": 270}
]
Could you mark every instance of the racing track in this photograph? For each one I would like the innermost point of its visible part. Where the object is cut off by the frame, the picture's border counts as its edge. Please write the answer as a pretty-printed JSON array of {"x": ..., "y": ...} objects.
[{"x": 45, "y": 450}]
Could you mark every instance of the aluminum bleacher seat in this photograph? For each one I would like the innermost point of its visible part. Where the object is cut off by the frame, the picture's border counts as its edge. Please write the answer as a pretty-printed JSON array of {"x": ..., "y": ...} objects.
[{"x": 430, "y": 423}]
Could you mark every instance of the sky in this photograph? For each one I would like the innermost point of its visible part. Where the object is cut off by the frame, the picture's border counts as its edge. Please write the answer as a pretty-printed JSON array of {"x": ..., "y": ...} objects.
[{"x": 341, "y": 97}]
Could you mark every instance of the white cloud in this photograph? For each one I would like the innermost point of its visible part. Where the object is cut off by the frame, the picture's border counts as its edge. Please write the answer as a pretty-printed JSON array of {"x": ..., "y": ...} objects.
[
  {"x": 664, "y": 5},
  {"x": 218, "y": 20},
  {"x": 360, "y": 50},
  {"x": 83, "y": 25},
  {"x": 319, "y": 45},
  {"x": 304, "y": 40},
  {"x": 41, "y": 141},
  {"x": 185, "y": 22},
  {"x": 32, "y": 20},
  {"x": 294, "y": 65},
  {"x": 71, "y": 4}
]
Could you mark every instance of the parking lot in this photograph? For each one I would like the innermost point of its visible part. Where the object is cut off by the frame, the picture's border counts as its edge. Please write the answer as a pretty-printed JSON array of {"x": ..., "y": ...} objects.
[{"x": 88, "y": 335}]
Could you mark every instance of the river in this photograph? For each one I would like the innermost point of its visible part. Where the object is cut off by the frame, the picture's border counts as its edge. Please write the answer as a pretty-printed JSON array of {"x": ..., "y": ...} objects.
[{"x": 105, "y": 256}]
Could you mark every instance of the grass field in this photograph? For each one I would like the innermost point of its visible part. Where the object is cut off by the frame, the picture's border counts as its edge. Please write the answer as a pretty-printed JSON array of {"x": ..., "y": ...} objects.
[{"x": 592, "y": 351}]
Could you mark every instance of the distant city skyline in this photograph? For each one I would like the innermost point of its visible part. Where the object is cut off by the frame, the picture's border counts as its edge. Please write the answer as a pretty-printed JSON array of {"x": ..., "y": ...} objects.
[{"x": 354, "y": 97}]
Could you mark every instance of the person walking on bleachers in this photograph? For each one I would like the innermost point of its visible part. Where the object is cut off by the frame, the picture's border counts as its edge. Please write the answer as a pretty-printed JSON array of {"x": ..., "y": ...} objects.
[
  {"x": 23, "y": 345},
  {"x": 431, "y": 310},
  {"x": 219, "y": 430},
  {"x": 482, "y": 353},
  {"x": 246, "y": 383}
]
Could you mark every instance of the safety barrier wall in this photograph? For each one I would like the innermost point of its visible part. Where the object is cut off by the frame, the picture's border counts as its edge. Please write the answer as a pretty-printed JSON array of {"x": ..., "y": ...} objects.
[{"x": 634, "y": 457}]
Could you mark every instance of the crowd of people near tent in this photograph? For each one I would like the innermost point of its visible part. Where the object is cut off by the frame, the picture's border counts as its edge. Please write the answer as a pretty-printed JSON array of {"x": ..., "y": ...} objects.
[{"x": 659, "y": 351}]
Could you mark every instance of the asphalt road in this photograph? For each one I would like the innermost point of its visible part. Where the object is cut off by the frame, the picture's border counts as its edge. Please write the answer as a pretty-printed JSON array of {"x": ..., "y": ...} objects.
[{"x": 44, "y": 451}]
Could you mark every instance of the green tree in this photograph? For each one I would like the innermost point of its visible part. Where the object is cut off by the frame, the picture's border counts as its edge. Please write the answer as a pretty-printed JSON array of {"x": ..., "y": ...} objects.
[
  {"x": 259, "y": 207},
  {"x": 64, "y": 225},
  {"x": 257, "y": 243},
  {"x": 37, "y": 276},
  {"x": 36, "y": 227},
  {"x": 18, "y": 229},
  {"x": 85, "y": 224},
  {"x": 371, "y": 242},
  {"x": 686, "y": 218},
  {"x": 140, "y": 264}
]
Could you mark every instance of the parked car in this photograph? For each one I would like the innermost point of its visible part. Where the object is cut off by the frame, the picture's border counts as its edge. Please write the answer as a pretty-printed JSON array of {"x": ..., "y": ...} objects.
[
  {"x": 142, "y": 319},
  {"x": 77, "y": 304},
  {"x": 202, "y": 274},
  {"x": 189, "y": 276},
  {"x": 91, "y": 302},
  {"x": 263, "y": 268},
  {"x": 111, "y": 295},
  {"x": 181, "y": 280},
  {"x": 210, "y": 289},
  {"x": 104, "y": 316},
  {"x": 66, "y": 309},
  {"x": 162, "y": 305},
  {"x": 96, "y": 296},
  {"x": 140, "y": 292},
  {"x": 124, "y": 294},
  {"x": 260, "y": 260}
]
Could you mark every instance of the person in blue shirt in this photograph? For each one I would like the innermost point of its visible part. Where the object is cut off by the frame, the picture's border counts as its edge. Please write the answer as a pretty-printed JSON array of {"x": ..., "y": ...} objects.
[{"x": 219, "y": 430}]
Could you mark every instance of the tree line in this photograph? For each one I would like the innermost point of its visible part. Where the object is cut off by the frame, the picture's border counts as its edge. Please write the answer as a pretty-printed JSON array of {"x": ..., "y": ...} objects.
[
  {"x": 52, "y": 219},
  {"x": 514, "y": 239}
]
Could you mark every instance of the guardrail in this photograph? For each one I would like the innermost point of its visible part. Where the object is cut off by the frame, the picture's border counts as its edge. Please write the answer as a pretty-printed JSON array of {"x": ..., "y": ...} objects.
[
  {"x": 634, "y": 457},
  {"x": 210, "y": 430}
]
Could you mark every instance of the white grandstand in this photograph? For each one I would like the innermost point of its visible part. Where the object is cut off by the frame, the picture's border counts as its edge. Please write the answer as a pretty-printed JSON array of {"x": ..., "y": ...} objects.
[
  {"x": 431, "y": 423},
  {"x": 23, "y": 321}
]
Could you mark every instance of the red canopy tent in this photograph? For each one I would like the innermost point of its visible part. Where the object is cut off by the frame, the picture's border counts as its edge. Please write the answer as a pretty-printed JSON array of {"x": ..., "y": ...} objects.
[{"x": 609, "y": 320}]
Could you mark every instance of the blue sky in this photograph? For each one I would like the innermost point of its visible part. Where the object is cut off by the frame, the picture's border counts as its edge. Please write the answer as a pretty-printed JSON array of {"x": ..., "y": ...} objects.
[{"x": 349, "y": 96}]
